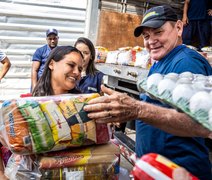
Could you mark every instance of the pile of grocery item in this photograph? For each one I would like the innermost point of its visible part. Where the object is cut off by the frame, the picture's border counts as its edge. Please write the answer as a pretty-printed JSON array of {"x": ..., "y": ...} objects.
[
  {"x": 53, "y": 137},
  {"x": 136, "y": 56},
  {"x": 91, "y": 162},
  {"x": 187, "y": 92},
  {"x": 131, "y": 56}
]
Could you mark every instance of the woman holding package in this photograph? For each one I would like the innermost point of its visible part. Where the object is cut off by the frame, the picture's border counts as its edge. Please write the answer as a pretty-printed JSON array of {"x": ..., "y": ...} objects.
[
  {"x": 91, "y": 79},
  {"x": 62, "y": 70}
]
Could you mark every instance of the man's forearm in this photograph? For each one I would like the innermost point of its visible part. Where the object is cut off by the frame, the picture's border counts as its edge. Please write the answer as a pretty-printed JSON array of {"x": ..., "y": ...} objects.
[
  {"x": 33, "y": 79},
  {"x": 6, "y": 66},
  {"x": 4, "y": 71},
  {"x": 171, "y": 121},
  {"x": 185, "y": 8}
]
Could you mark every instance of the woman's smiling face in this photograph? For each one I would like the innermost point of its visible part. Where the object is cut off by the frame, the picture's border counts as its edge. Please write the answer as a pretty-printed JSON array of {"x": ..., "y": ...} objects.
[
  {"x": 66, "y": 72},
  {"x": 161, "y": 41}
]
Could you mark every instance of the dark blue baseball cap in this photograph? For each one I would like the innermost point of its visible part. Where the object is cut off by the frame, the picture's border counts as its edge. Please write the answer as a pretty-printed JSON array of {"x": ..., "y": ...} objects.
[
  {"x": 155, "y": 17},
  {"x": 51, "y": 31}
]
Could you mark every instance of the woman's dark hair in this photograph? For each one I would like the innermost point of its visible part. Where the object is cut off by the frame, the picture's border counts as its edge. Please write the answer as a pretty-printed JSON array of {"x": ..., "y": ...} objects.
[
  {"x": 91, "y": 69},
  {"x": 43, "y": 86}
]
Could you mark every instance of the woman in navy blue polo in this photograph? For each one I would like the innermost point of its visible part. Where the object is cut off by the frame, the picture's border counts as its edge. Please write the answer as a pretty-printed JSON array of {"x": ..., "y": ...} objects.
[{"x": 91, "y": 79}]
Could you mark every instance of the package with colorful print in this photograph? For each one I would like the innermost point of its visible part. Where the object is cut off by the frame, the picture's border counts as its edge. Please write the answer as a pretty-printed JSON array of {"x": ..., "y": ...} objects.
[
  {"x": 99, "y": 162},
  {"x": 42, "y": 124}
]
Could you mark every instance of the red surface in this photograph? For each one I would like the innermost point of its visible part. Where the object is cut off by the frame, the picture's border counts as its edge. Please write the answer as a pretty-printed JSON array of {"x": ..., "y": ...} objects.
[{"x": 151, "y": 159}]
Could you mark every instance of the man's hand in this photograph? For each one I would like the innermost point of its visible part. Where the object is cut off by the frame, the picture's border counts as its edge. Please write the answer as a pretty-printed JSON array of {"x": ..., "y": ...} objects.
[
  {"x": 113, "y": 107},
  {"x": 185, "y": 20}
]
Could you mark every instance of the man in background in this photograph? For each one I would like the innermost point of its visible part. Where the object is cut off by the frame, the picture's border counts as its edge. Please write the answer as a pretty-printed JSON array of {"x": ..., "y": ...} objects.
[
  {"x": 41, "y": 54},
  {"x": 196, "y": 23},
  {"x": 6, "y": 64}
]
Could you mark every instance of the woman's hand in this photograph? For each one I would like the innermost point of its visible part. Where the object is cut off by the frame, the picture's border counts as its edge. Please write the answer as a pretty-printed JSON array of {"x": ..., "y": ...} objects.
[{"x": 113, "y": 107}]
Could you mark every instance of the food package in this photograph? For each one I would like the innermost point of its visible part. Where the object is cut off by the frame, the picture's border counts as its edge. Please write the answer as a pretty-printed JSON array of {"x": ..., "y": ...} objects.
[
  {"x": 186, "y": 92},
  {"x": 112, "y": 57},
  {"x": 101, "y": 54},
  {"x": 42, "y": 124},
  {"x": 124, "y": 57},
  {"x": 99, "y": 162},
  {"x": 142, "y": 59},
  {"x": 154, "y": 166},
  {"x": 134, "y": 51}
]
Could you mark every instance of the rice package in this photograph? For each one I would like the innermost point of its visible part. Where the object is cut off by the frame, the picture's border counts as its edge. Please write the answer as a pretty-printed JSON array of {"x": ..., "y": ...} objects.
[
  {"x": 142, "y": 59},
  {"x": 124, "y": 57},
  {"x": 43, "y": 124},
  {"x": 112, "y": 57}
]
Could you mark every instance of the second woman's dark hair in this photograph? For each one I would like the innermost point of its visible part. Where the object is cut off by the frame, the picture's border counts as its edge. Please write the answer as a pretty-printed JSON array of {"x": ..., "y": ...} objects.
[{"x": 43, "y": 86}]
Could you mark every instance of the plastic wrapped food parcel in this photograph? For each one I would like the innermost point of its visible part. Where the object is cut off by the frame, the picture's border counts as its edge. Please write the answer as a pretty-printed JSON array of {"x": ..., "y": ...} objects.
[
  {"x": 99, "y": 162},
  {"x": 42, "y": 124}
]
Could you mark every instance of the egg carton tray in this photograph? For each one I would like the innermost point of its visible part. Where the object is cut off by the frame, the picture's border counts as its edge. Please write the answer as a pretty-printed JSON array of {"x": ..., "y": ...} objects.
[{"x": 180, "y": 106}]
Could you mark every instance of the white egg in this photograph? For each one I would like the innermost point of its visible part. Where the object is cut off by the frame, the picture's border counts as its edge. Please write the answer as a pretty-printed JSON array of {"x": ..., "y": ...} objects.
[
  {"x": 186, "y": 75},
  {"x": 208, "y": 86},
  {"x": 153, "y": 80},
  {"x": 199, "y": 85},
  {"x": 209, "y": 78},
  {"x": 172, "y": 76},
  {"x": 184, "y": 80},
  {"x": 166, "y": 85},
  {"x": 199, "y": 77},
  {"x": 182, "y": 91},
  {"x": 200, "y": 101}
]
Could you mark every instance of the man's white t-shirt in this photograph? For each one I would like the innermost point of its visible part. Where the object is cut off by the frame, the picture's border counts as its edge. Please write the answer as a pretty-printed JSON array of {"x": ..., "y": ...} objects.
[{"x": 2, "y": 56}]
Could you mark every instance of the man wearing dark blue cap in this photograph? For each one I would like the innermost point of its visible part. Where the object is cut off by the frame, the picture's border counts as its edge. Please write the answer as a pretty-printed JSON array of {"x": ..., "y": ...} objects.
[
  {"x": 41, "y": 54},
  {"x": 162, "y": 33},
  {"x": 159, "y": 128}
]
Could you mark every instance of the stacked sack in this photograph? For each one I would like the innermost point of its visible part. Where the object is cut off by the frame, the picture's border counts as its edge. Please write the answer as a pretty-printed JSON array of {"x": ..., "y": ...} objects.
[
  {"x": 132, "y": 56},
  {"x": 46, "y": 135},
  {"x": 92, "y": 162},
  {"x": 36, "y": 125}
]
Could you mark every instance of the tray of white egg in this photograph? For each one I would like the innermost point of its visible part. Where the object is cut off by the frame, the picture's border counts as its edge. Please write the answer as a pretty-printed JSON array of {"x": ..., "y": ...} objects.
[{"x": 187, "y": 92}]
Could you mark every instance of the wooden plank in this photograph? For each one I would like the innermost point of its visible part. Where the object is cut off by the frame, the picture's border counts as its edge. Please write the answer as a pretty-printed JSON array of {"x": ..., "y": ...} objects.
[{"x": 117, "y": 30}]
